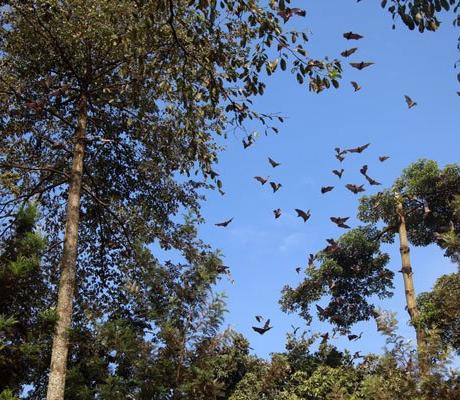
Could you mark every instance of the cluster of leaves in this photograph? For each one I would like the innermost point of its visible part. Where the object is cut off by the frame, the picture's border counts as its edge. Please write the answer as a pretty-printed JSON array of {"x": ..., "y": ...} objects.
[{"x": 350, "y": 276}]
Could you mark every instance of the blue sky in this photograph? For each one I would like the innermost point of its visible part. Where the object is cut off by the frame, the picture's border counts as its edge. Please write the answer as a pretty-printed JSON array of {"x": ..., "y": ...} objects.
[{"x": 263, "y": 252}]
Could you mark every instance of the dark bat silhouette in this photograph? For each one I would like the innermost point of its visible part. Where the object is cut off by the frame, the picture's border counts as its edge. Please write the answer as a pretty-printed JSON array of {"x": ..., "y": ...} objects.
[
  {"x": 340, "y": 157},
  {"x": 355, "y": 188},
  {"x": 355, "y": 337},
  {"x": 352, "y": 36},
  {"x": 361, "y": 65},
  {"x": 371, "y": 181},
  {"x": 324, "y": 337},
  {"x": 225, "y": 223},
  {"x": 287, "y": 13},
  {"x": 410, "y": 103},
  {"x": 298, "y": 269},
  {"x": 264, "y": 329},
  {"x": 326, "y": 189},
  {"x": 295, "y": 329},
  {"x": 355, "y": 86},
  {"x": 260, "y": 179},
  {"x": 349, "y": 52},
  {"x": 359, "y": 149},
  {"x": 383, "y": 158},
  {"x": 275, "y": 186},
  {"x": 305, "y": 215},
  {"x": 259, "y": 318},
  {"x": 340, "y": 221},
  {"x": 363, "y": 170},
  {"x": 277, "y": 212},
  {"x": 338, "y": 173},
  {"x": 333, "y": 246},
  {"x": 338, "y": 150},
  {"x": 273, "y": 163},
  {"x": 248, "y": 142}
]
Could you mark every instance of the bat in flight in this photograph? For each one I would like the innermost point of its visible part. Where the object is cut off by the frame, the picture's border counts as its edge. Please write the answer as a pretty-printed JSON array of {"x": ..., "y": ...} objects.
[
  {"x": 371, "y": 181},
  {"x": 355, "y": 188},
  {"x": 352, "y": 36},
  {"x": 349, "y": 52},
  {"x": 260, "y": 179},
  {"x": 339, "y": 173},
  {"x": 248, "y": 142},
  {"x": 287, "y": 13},
  {"x": 340, "y": 156},
  {"x": 273, "y": 163},
  {"x": 326, "y": 189},
  {"x": 355, "y": 86},
  {"x": 359, "y": 149},
  {"x": 298, "y": 269},
  {"x": 340, "y": 222},
  {"x": 264, "y": 328},
  {"x": 363, "y": 170},
  {"x": 225, "y": 223},
  {"x": 332, "y": 246},
  {"x": 410, "y": 103},
  {"x": 305, "y": 215},
  {"x": 277, "y": 213},
  {"x": 361, "y": 65},
  {"x": 275, "y": 186},
  {"x": 383, "y": 158},
  {"x": 355, "y": 337},
  {"x": 259, "y": 318}
]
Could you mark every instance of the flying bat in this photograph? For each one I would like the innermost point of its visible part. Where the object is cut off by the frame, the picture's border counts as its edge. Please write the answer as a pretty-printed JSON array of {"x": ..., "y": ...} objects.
[
  {"x": 352, "y": 36},
  {"x": 332, "y": 246},
  {"x": 304, "y": 215},
  {"x": 326, "y": 189},
  {"x": 361, "y": 65},
  {"x": 277, "y": 212},
  {"x": 260, "y": 179},
  {"x": 340, "y": 221},
  {"x": 263, "y": 329},
  {"x": 410, "y": 103},
  {"x": 359, "y": 149},
  {"x": 363, "y": 170},
  {"x": 338, "y": 150},
  {"x": 275, "y": 186},
  {"x": 383, "y": 158},
  {"x": 298, "y": 269},
  {"x": 340, "y": 157},
  {"x": 287, "y": 13},
  {"x": 247, "y": 143},
  {"x": 371, "y": 181},
  {"x": 354, "y": 188},
  {"x": 355, "y": 86},
  {"x": 273, "y": 163},
  {"x": 338, "y": 173},
  {"x": 349, "y": 52},
  {"x": 355, "y": 337},
  {"x": 225, "y": 223},
  {"x": 259, "y": 318}
]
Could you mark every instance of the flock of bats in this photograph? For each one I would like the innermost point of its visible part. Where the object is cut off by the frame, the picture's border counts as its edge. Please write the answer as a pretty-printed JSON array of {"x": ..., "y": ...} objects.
[{"x": 340, "y": 154}]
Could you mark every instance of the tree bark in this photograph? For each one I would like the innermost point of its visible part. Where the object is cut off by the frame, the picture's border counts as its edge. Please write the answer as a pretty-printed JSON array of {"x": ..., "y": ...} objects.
[
  {"x": 57, "y": 375},
  {"x": 409, "y": 289}
]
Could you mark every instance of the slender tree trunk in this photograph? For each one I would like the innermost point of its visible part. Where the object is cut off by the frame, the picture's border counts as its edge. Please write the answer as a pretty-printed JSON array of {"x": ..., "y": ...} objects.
[
  {"x": 409, "y": 289},
  {"x": 56, "y": 383}
]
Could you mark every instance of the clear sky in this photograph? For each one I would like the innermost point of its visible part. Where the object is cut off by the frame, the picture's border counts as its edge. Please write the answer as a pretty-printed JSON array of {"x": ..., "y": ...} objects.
[{"x": 263, "y": 252}]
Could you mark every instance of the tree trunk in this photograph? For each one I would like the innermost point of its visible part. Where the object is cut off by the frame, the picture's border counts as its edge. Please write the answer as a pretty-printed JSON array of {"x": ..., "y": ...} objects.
[
  {"x": 409, "y": 289},
  {"x": 56, "y": 383}
]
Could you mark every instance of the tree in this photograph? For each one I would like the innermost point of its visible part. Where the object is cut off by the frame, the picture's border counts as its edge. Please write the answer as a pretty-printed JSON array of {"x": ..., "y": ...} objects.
[
  {"x": 418, "y": 207},
  {"x": 25, "y": 315},
  {"x": 105, "y": 104},
  {"x": 440, "y": 309}
]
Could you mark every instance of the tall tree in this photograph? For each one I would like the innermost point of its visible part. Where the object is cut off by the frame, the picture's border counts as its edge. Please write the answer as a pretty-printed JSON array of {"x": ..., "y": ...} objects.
[
  {"x": 418, "y": 208},
  {"x": 104, "y": 104}
]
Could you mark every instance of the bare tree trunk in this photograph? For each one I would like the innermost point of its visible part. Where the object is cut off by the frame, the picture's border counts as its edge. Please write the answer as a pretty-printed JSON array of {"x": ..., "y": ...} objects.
[
  {"x": 409, "y": 289},
  {"x": 56, "y": 383}
]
